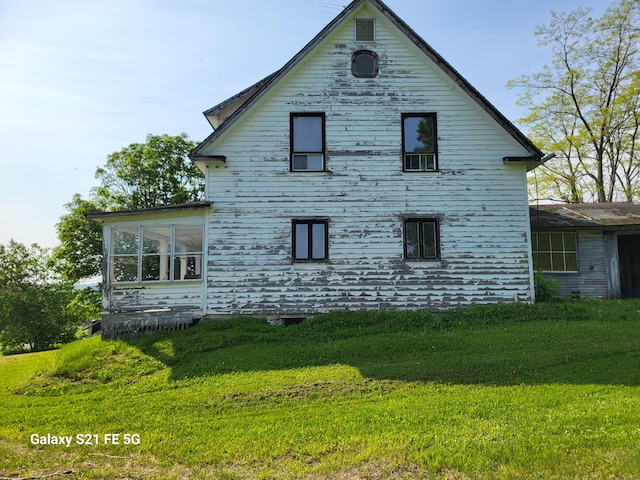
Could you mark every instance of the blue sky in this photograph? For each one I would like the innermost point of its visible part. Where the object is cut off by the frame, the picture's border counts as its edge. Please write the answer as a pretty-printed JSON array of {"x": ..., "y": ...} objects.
[{"x": 82, "y": 79}]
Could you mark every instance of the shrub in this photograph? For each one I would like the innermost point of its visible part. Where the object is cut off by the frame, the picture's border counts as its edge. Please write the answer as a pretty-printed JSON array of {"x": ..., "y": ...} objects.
[{"x": 547, "y": 289}]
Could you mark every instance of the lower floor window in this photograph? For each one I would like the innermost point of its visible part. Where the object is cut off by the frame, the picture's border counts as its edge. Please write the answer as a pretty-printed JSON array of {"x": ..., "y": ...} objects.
[
  {"x": 156, "y": 253},
  {"x": 310, "y": 240},
  {"x": 555, "y": 251},
  {"x": 421, "y": 239}
]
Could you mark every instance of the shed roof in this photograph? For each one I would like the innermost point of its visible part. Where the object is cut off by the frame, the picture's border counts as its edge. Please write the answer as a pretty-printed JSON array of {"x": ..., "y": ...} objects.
[
  {"x": 234, "y": 107},
  {"x": 605, "y": 216}
]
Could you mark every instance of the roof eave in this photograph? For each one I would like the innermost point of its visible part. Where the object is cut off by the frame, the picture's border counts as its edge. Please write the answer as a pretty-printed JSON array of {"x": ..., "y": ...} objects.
[{"x": 101, "y": 217}]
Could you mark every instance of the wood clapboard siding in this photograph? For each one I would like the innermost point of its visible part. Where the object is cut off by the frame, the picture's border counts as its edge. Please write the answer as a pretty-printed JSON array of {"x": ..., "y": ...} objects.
[
  {"x": 480, "y": 202},
  {"x": 591, "y": 278},
  {"x": 156, "y": 296}
]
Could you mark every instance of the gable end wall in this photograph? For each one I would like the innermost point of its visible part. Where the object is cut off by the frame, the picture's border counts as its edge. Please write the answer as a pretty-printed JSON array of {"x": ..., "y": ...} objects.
[{"x": 481, "y": 203}]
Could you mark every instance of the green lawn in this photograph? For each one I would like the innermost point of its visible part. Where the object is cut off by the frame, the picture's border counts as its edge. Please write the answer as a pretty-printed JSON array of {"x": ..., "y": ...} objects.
[{"x": 541, "y": 392}]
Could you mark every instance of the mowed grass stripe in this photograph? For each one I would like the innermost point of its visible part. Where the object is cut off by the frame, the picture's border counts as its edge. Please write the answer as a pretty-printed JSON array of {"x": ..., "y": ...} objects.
[{"x": 494, "y": 392}]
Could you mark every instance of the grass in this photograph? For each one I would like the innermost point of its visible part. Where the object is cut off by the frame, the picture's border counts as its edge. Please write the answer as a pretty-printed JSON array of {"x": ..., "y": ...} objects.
[{"x": 516, "y": 391}]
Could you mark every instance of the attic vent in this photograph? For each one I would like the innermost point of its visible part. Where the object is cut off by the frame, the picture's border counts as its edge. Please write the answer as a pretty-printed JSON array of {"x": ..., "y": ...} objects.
[{"x": 365, "y": 30}]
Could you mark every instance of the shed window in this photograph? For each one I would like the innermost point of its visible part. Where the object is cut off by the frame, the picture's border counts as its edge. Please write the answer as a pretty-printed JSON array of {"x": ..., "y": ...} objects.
[
  {"x": 307, "y": 142},
  {"x": 421, "y": 239},
  {"x": 555, "y": 251},
  {"x": 310, "y": 240},
  {"x": 364, "y": 64},
  {"x": 419, "y": 142},
  {"x": 156, "y": 253}
]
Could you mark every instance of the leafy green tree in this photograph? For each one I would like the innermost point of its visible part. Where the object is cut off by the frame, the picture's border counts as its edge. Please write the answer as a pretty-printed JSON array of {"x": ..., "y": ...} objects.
[
  {"x": 585, "y": 105},
  {"x": 79, "y": 253},
  {"x": 151, "y": 174},
  {"x": 34, "y": 301}
]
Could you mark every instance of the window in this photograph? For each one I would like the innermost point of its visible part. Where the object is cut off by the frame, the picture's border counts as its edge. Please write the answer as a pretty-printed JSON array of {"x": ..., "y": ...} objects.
[
  {"x": 310, "y": 240},
  {"x": 364, "y": 64},
  {"x": 421, "y": 239},
  {"x": 307, "y": 142},
  {"x": 419, "y": 142},
  {"x": 365, "y": 30},
  {"x": 125, "y": 245},
  {"x": 555, "y": 251},
  {"x": 156, "y": 253}
]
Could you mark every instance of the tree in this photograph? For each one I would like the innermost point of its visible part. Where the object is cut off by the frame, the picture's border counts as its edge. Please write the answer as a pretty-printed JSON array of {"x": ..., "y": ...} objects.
[
  {"x": 150, "y": 174},
  {"x": 155, "y": 173},
  {"x": 79, "y": 254},
  {"x": 585, "y": 105},
  {"x": 34, "y": 301}
]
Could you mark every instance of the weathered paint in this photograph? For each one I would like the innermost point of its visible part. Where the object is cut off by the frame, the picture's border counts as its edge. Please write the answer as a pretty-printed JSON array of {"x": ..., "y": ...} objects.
[
  {"x": 140, "y": 296},
  {"x": 480, "y": 201},
  {"x": 131, "y": 324},
  {"x": 599, "y": 227},
  {"x": 594, "y": 268}
]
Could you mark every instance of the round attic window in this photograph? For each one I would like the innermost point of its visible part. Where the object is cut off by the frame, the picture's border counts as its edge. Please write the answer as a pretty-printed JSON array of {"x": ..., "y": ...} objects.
[{"x": 364, "y": 64}]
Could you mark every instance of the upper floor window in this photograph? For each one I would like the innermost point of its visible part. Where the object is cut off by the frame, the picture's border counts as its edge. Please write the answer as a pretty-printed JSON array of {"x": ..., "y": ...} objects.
[
  {"x": 421, "y": 239},
  {"x": 419, "y": 142},
  {"x": 307, "y": 142},
  {"x": 310, "y": 240},
  {"x": 364, "y": 64},
  {"x": 155, "y": 253},
  {"x": 555, "y": 251}
]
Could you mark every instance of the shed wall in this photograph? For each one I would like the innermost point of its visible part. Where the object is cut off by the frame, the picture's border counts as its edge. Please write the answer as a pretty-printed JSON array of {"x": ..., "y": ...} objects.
[{"x": 593, "y": 269}]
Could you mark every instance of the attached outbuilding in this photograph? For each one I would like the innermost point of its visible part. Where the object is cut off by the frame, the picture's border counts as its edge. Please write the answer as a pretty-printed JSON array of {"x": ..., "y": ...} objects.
[{"x": 592, "y": 250}]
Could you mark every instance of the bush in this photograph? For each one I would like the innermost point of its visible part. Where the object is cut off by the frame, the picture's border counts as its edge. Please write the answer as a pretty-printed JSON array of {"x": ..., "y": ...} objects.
[
  {"x": 547, "y": 290},
  {"x": 34, "y": 302}
]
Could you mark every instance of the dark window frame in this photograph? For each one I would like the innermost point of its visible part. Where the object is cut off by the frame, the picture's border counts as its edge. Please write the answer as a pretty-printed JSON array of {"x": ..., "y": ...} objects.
[
  {"x": 422, "y": 256},
  {"x": 436, "y": 166},
  {"x": 376, "y": 64},
  {"x": 292, "y": 152},
  {"x": 310, "y": 240}
]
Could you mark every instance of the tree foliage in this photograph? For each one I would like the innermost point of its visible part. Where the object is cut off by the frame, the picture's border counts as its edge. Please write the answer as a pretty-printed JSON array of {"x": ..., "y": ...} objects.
[
  {"x": 151, "y": 174},
  {"x": 79, "y": 253},
  {"x": 585, "y": 105},
  {"x": 37, "y": 307}
]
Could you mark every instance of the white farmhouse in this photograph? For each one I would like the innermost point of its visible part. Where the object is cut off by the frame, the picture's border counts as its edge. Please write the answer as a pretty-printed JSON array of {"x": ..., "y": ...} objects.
[{"x": 364, "y": 174}]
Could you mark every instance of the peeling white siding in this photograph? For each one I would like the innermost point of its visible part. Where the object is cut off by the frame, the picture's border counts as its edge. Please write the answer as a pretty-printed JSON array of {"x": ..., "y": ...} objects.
[
  {"x": 481, "y": 203},
  {"x": 138, "y": 296}
]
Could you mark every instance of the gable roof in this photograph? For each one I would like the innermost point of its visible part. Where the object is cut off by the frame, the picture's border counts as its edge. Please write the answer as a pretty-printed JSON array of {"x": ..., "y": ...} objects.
[
  {"x": 599, "y": 216},
  {"x": 248, "y": 97}
]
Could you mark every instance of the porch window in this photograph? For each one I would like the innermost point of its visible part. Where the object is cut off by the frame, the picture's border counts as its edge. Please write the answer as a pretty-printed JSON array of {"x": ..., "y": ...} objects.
[
  {"x": 421, "y": 239},
  {"x": 419, "y": 142},
  {"x": 155, "y": 253},
  {"x": 555, "y": 251},
  {"x": 307, "y": 142},
  {"x": 310, "y": 240}
]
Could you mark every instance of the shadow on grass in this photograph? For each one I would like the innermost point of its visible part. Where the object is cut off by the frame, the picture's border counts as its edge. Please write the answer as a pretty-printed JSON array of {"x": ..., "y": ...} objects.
[{"x": 508, "y": 345}]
